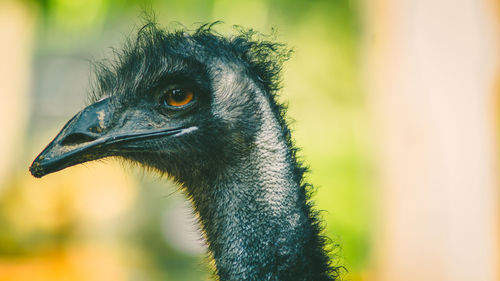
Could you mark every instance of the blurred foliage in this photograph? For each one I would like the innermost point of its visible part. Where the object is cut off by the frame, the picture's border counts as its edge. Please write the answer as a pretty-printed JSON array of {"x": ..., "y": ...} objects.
[{"x": 52, "y": 221}]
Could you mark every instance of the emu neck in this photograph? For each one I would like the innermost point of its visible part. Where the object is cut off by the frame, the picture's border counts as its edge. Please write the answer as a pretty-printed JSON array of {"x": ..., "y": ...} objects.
[{"x": 256, "y": 219}]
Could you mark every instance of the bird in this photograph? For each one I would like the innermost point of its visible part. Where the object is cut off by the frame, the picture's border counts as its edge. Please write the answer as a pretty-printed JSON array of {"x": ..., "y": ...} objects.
[{"x": 203, "y": 109}]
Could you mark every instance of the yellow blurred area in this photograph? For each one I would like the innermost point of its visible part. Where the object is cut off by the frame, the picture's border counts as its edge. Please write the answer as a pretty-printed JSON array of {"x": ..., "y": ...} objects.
[
  {"x": 77, "y": 263},
  {"x": 91, "y": 194}
]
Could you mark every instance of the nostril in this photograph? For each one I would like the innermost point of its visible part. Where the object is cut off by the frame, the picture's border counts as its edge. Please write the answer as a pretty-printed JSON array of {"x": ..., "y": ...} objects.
[{"x": 77, "y": 138}]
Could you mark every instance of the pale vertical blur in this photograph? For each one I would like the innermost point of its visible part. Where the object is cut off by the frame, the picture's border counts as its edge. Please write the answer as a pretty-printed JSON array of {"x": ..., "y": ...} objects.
[
  {"x": 432, "y": 68},
  {"x": 16, "y": 33}
]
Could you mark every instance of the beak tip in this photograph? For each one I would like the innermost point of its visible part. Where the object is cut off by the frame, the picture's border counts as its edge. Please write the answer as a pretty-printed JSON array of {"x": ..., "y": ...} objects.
[{"x": 36, "y": 170}]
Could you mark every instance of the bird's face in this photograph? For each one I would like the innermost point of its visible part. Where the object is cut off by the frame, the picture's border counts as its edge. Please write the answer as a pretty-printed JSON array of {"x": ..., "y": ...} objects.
[{"x": 164, "y": 106}]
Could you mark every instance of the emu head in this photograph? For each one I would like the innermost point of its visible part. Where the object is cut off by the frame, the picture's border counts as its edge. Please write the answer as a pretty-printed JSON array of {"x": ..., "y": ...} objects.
[{"x": 183, "y": 103}]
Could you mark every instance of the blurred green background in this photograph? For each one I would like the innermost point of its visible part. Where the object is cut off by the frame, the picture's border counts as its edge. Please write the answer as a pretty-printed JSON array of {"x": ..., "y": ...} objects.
[{"x": 107, "y": 221}]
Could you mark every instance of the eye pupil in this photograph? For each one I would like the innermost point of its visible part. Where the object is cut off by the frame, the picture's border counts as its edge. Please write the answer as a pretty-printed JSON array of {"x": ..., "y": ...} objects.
[{"x": 178, "y": 97}]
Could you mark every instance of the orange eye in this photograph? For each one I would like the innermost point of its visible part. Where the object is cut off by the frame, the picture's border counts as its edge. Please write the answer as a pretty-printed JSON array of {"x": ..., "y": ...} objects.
[{"x": 178, "y": 97}]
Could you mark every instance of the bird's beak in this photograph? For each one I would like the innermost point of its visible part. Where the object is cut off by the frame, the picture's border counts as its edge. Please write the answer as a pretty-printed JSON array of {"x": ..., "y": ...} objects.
[{"x": 88, "y": 136}]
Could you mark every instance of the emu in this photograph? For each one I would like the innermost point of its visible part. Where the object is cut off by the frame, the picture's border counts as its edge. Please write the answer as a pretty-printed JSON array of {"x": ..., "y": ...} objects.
[{"x": 202, "y": 109}]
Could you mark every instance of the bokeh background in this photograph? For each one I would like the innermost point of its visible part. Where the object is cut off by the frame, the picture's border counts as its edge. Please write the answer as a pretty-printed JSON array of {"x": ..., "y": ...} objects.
[{"x": 389, "y": 98}]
